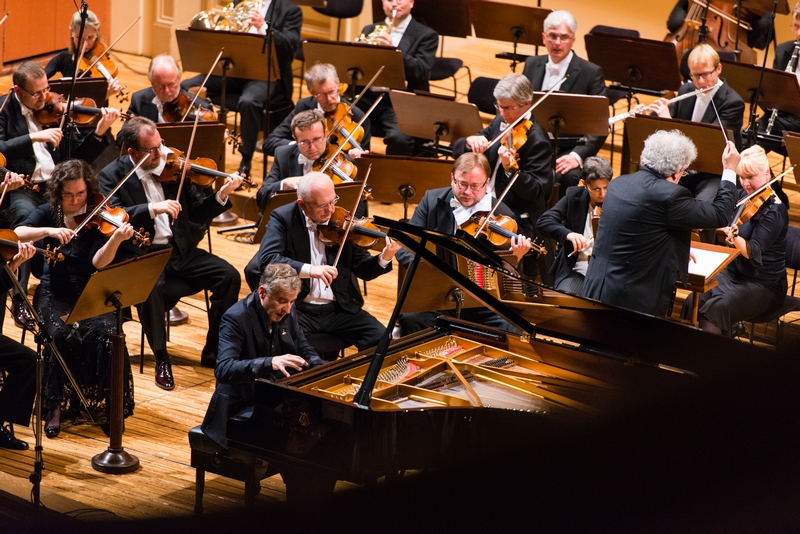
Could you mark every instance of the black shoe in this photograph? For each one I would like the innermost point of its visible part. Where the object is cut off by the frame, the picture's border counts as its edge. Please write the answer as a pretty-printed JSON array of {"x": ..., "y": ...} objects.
[
  {"x": 208, "y": 358},
  {"x": 22, "y": 317},
  {"x": 244, "y": 168},
  {"x": 53, "y": 426},
  {"x": 178, "y": 317},
  {"x": 164, "y": 378},
  {"x": 8, "y": 441}
]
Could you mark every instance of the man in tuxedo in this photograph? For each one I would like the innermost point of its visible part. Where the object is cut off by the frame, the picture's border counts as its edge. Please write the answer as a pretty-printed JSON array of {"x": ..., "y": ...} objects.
[
  {"x": 644, "y": 234},
  {"x": 330, "y": 300},
  {"x": 323, "y": 84},
  {"x": 585, "y": 78},
  {"x": 287, "y": 19},
  {"x": 259, "y": 337},
  {"x": 173, "y": 223},
  {"x": 418, "y": 44}
]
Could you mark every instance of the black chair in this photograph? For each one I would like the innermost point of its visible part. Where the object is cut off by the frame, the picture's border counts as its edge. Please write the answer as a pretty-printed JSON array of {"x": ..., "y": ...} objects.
[
  {"x": 481, "y": 94},
  {"x": 341, "y": 9},
  {"x": 447, "y": 67}
]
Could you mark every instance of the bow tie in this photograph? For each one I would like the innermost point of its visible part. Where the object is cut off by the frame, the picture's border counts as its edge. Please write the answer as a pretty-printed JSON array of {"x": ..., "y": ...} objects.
[
  {"x": 454, "y": 203},
  {"x": 302, "y": 160},
  {"x": 311, "y": 225},
  {"x": 552, "y": 69}
]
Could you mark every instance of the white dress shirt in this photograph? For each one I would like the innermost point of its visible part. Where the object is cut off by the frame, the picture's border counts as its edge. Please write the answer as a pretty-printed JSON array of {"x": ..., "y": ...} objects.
[
  {"x": 555, "y": 71},
  {"x": 44, "y": 160},
  {"x": 703, "y": 100}
]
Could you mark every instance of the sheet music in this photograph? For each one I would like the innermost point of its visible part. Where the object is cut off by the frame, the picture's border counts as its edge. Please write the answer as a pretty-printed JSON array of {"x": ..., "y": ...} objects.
[{"x": 708, "y": 261}]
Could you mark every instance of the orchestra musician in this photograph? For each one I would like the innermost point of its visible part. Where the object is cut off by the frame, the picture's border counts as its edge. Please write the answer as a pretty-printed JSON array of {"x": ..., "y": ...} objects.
[
  {"x": 33, "y": 149},
  {"x": 260, "y": 337},
  {"x": 19, "y": 362},
  {"x": 528, "y": 196},
  {"x": 418, "y": 44},
  {"x": 85, "y": 346},
  {"x": 287, "y": 18},
  {"x": 643, "y": 237},
  {"x": 445, "y": 210},
  {"x": 63, "y": 63},
  {"x": 330, "y": 300},
  {"x": 570, "y": 224},
  {"x": 323, "y": 84},
  {"x": 755, "y": 281},
  {"x": 176, "y": 223},
  {"x": 585, "y": 78}
]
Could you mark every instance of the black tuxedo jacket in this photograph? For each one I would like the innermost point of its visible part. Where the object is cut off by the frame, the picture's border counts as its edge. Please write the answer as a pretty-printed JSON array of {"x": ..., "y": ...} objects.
[
  {"x": 418, "y": 44},
  {"x": 568, "y": 215},
  {"x": 284, "y": 165},
  {"x": 198, "y": 209},
  {"x": 585, "y": 78},
  {"x": 282, "y": 135},
  {"x": 729, "y": 105},
  {"x": 142, "y": 103},
  {"x": 643, "y": 239},
  {"x": 286, "y": 241},
  {"x": 245, "y": 354},
  {"x": 17, "y": 147}
]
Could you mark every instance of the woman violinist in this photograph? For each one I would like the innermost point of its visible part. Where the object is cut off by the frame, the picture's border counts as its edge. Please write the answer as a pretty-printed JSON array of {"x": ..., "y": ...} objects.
[
  {"x": 755, "y": 281},
  {"x": 62, "y": 63},
  {"x": 86, "y": 346}
]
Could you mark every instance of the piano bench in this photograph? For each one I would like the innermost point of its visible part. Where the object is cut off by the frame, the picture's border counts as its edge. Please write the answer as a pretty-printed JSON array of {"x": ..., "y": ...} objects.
[{"x": 207, "y": 455}]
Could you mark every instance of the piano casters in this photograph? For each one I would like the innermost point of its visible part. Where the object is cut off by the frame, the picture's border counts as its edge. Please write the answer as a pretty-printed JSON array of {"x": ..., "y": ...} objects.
[
  {"x": 456, "y": 295},
  {"x": 406, "y": 192}
]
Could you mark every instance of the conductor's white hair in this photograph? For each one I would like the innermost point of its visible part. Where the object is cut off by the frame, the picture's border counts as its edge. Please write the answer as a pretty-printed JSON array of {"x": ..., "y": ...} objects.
[
  {"x": 668, "y": 152},
  {"x": 557, "y": 18}
]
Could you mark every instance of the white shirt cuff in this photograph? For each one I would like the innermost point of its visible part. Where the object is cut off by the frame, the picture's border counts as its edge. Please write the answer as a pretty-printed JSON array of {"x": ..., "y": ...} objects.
[
  {"x": 305, "y": 271},
  {"x": 150, "y": 209},
  {"x": 729, "y": 176},
  {"x": 578, "y": 158}
]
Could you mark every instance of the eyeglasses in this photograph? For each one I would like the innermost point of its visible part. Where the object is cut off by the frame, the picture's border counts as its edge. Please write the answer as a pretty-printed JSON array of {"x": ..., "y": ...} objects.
[
  {"x": 320, "y": 207},
  {"x": 463, "y": 186},
  {"x": 700, "y": 75},
  {"x": 498, "y": 107},
  {"x": 330, "y": 94},
  {"x": 597, "y": 189},
  {"x": 556, "y": 37},
  {"x": 37, "y": 94},
  {"x": 73, "y": 196},
  {"x": 155, "y": 151},
  {"x": 308, "y": 142}
]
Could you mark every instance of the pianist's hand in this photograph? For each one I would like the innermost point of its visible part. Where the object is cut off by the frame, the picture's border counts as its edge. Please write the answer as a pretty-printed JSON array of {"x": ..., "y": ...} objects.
[{"x": 288, "y": 361}]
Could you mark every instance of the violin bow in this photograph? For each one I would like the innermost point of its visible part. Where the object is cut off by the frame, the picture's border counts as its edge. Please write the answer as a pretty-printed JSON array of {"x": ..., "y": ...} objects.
[
  {"x": 187, "y": 158},
  {"x": 499, "y": 200},
  {"x": 3, "y": 20},
  {"x": 339, "y": 150},
  {"x": 3, "y": 105},
  {"x": 355, "y": 101},
  {"x": 108, "y": 49},
  {"x": 766, "y": 185},
  {"x": 3, "y": 195},
  {"x": 352, "y": 215},
  {"x": 213, "y": 65},
  {"x": 527, "y": 114}
]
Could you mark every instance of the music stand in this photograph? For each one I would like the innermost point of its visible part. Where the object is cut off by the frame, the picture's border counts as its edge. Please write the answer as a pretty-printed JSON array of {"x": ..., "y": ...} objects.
[
  {"x": 348, "y": 193},
  {"x": 707, "y": 138},
  {"x": 94, "y": 88},
  {"x": 111, "y": 289},
  {"x": 711, "y": 260},
  {"x": 354, "y": 61},
  {"x": 434, "y": 117},
  {"x": 792, "y": 142},
  {"x": 402, "y": 177},
  {"x": 491, "y": 21},
  {"x": 209, "y": 142},
  {"x": 431, "y": 289}
]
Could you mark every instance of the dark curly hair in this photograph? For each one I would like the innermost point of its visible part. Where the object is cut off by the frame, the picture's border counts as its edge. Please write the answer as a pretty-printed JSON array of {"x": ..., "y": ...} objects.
[{"x": 68, "y": 171}]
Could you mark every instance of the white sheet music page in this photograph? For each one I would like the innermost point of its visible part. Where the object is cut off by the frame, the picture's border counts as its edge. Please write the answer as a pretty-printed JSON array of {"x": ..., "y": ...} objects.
[{"x": 708, "y": 261}]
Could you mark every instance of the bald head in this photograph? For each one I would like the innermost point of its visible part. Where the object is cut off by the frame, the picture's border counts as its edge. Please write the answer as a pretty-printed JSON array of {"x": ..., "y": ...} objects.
[
  {"x": 317, "y": 197},
  {"x": 165, "y": 77}
]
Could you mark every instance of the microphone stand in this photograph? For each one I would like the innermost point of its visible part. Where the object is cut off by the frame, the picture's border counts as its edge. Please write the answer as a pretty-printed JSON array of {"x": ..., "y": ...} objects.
[
  {"x": 78, "y": 49},
  {"x": 752, "y": 126},
  {"x": 266, "y": 48},
  {"x": 703, "y": 32}
]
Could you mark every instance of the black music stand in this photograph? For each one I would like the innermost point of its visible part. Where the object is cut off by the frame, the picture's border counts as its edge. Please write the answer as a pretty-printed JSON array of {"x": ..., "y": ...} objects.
[
  {"x": 431, "y": 289},
  {"x": 112, "y": 289},
  {"x": 400, "y": 178},
  {"x": 435, "y": 117},
  {"x": 511, "y": 23},
  {"x": 209, "y": 142},
  {"x": 356, "y": 61},
  {"x": 707, "y": 138},
  {"x": 243, "y": 57},
  {"x": 792, "y": 142},
  {"x": 94, "y": 88}
]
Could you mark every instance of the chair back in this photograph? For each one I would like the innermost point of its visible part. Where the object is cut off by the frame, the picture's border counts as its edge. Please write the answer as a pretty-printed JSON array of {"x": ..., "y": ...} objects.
[
  {"x": 481, "y": 94},
  {"x": 342, "y": 9},
  {"x": 793, "y": 253},
  {"x": 611, "y": 30}
]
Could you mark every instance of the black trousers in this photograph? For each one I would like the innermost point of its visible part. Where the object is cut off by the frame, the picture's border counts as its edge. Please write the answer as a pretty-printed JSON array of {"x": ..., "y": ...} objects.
[
  {"x": 360, "y": 328},
  {"x": 19, "y": 389}
]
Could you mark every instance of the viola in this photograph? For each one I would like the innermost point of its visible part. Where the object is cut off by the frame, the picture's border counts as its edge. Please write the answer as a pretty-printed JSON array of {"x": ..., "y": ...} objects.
[
  {"x": 753, "y": 205},
  {"x": 83, "y": 111},
  {"x": 517, "y": 137},
  {"x": 498, "y": 231},
  {"x": 108, "y": 219},
  {"x": 344, "y": 118},
  {"x": 103, "y": 67},
  {"x": 201, "y": 171},
  {"x": 176, "y": 110},
  {"x": 9, "y": 246},
  {"x": 362, "y": 234},
  {"x": 341, "y": 170}
]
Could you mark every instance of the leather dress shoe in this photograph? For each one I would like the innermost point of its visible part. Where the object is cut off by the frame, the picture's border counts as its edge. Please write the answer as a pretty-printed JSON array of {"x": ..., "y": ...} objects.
[
  {"x": 164, "y": 378},
  {"x": 208, "y": 358},
  {"x": 8, "y": 441},
  {"x": 244, "y": 169},
  {"x": 53, "y": 426},
  {"x": 22, "y": 317},
  {"x": 178, "y": 317}
]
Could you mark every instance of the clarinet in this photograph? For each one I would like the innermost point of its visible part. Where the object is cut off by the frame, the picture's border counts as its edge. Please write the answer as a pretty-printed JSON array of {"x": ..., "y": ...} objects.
[{"x": 790, "y": 67}]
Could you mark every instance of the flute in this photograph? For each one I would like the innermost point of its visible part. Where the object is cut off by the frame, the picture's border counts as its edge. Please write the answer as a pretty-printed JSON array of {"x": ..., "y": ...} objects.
[{"x": 623, "y": 116}]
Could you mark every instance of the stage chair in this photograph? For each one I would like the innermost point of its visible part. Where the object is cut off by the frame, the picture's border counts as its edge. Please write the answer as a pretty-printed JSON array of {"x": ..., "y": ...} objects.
[
  {"x": 480, "y": 94},
  {"x": 448, "y": 67},
  {"x": 341, "y": 9}
]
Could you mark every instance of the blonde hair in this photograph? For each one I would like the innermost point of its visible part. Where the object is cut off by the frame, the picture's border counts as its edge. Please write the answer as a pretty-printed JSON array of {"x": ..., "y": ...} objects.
[
  {"x": 704, "y": 52},
  {"x": 92, "y": 23},
  {"x": 754, "y": 162}
]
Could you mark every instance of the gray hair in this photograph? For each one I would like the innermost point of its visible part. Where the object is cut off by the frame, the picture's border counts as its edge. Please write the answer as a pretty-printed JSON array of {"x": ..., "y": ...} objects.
[
  {"x": 309, "y": 182},
  {"x": 279, "y": 278},
  {"x": 557, "y": 18},
  {"x": 162, "y": 59},
  {"x": 514, "y": 87},
  {"x": 596, "y": 168},
  {"x": 668, "y": 152},
  {"x": 319, "y": 74}
]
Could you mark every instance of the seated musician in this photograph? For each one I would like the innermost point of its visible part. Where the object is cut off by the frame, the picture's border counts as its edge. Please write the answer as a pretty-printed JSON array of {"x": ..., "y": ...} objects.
[
  {"x": 570, "y": 224},
  {"x": 19, "y": 362},
  {"x": 784, "y": 121},
  {"x": 643, "y": 238},
  {"x": 418, "y": 44},
  {"x": 323, "y": 84},
  {"x": 149, "y": 198},
  {"x": 63, "y": 63},
  {"x": 260, "y": 337},
  {"x": 755, "y": 281},
  {"x": 287, "y": 18},
  {"x": 528, "y": 196},
  {"x": 585, "y": 78},
  {"x": 330, "y": 300},
  {"x": 34, "y": 149},
  {"x": 445, "y": 210}
]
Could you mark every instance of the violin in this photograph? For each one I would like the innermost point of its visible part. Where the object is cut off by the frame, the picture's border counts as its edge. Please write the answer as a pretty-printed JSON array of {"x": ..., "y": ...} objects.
[
  {"x": 103, "y": 67},
  {"x": 28, "y": 184},
  {"x": 341, "y": 170},
  {"x": 108, "y": 219},
  {"x": 363, "y": 233},
  {"x": 202, "y": 171},
  {"x": 498, "y": 231},
  {"x": 174, "y": 111},
  {"x": 83, "y": 111},
  {"x": 343, "y": 117},
  {"x": 517, "y": 137},
  {"x": 749, "y": 209},
  {"x": 9, "y": 246}
]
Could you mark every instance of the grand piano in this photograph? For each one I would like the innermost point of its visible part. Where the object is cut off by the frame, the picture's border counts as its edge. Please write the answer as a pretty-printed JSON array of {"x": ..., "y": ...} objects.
[{"x": 461, "y": 393}]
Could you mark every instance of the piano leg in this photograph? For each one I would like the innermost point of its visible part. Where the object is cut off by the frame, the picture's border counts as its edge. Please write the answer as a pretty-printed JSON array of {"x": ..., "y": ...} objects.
[{"x": 307, "y": 487}]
